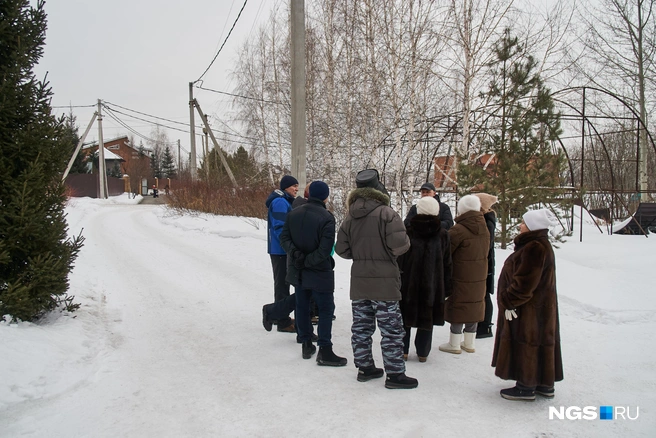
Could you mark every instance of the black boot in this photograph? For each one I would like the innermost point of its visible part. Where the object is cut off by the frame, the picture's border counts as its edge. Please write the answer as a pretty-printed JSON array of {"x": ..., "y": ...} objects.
[
  {"x": 268, "y": 325},
  {"x": 520, "y": 394},
  {"x": 400, "y": 381},
  {"x": 545, "y": 391},
  {"x": 326, "y": 357},
  {"x": 483, "y": 331},
  {"x": 367, "y": 373},
  {"x": 308, "y": 349},
  {"x": 313, "y": 338}
]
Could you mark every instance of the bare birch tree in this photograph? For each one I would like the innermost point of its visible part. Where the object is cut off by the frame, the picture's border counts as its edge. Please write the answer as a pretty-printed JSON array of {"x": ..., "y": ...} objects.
[{"x": 620, "y": 41}]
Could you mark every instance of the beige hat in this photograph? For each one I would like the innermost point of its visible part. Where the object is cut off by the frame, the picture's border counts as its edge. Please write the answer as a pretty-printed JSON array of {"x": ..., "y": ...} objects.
[
  {"x": 428, "y": 205},
  {"x": 487, "y": 201}
]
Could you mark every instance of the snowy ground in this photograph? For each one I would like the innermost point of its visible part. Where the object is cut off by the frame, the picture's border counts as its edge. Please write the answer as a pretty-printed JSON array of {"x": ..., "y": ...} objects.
[{"x": 169, "y": 342}]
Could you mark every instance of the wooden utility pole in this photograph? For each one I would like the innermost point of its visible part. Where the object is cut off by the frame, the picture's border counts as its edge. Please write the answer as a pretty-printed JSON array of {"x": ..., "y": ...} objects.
[
  {"x": 192, "y": 132},
  {"x": 79, "y": 146},
  {"x": 102, "y": 175},
  {"x": 179, "y": 158},
  {"x": 299, "y": 135},
  {"x": 216, "y": 145}
]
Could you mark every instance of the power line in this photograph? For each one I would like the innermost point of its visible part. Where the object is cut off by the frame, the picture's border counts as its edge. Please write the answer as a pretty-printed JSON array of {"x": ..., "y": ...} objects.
[
  {"x": 146, "y": 114},
  {"x": 173, "y": 128},
  {"x": 224, "y": 42},
  {"x": 74, "y": 106},
  {"x": 116, "y": 118},
  {"x": 134, "y": 131},
  {"x": 144, "y": 120},
  {"x": 238, "y": 95}
]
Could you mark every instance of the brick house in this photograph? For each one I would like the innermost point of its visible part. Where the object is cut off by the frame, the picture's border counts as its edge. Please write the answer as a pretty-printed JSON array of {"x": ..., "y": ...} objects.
[
  {"x": 122, "y": 147},
  {"x": 445, "y": 171}
]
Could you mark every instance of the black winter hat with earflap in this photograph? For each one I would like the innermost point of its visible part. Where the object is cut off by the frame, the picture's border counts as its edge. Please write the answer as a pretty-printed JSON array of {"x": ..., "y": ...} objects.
[{"x": 369, "y": 178}]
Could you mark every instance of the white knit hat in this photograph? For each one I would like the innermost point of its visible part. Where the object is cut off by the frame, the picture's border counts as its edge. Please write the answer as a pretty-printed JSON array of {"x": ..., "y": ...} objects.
[
  {"x": 428, "y": 205},
  {"x": 469, "y": 203},
  {"x": 540, "y": 219}
]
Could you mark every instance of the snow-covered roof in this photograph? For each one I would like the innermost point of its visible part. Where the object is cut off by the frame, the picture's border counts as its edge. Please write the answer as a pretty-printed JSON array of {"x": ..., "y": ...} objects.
[{"x": 109, "y": 155}]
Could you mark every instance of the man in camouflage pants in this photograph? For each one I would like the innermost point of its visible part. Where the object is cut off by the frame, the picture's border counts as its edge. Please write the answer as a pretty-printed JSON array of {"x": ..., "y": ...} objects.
[{"x": 373, "y": 235}]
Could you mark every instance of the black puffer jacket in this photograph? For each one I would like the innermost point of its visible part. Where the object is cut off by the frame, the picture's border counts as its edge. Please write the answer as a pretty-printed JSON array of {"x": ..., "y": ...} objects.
[{"x": 310, "y": 230}]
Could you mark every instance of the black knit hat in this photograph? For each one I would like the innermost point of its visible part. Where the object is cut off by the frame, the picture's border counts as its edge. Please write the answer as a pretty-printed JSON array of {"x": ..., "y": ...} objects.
[
  {"x": 319, "y": 190},
  {"x": 287, "y": 181}
]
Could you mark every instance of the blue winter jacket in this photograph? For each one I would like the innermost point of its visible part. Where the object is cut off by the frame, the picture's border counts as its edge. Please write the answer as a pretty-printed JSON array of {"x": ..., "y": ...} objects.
[{"x": 279, "y": 204}]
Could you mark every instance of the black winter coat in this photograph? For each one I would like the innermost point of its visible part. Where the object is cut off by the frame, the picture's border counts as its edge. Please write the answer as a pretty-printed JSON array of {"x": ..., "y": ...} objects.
[
  {"x": 491, "y": 222},
  {"x": 310, "y": 230},
  {"x": 425, "y": 273}
]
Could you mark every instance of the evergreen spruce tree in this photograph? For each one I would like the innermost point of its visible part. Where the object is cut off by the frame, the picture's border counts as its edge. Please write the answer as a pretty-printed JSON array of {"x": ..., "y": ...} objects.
[
  {"x": 115, "y": 171},
  {"x": 73, "y": 136},
  {"x": 244, "y": 166},
  {"x": 168, "y": 164},
  {"x": 156, "y": 162},
  {"x": 211, "y": 168},
  {"x": 36, "y": 255},
  {"x": 524, "y": 170}
]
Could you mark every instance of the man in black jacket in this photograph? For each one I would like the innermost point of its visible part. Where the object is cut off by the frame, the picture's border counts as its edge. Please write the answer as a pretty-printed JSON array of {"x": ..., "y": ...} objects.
[
  {"x": 308, "y": 237},
  {"x": 445, "y": 216}
]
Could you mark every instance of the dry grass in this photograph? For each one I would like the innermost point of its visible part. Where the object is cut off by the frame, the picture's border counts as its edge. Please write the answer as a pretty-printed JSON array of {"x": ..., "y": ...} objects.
[{"x": 199, "y": 196}]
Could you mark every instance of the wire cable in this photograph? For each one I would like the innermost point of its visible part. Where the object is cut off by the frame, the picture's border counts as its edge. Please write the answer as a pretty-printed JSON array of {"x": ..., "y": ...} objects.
[
  {"x": 146, "y": 114},
  {"x": 111, "y": 114},
  {"x": 74, "y": 106},
  {"x": 238, "y": 95},
  {"x": 176, "y": 129},
  {"x": 224, "y": 42}
]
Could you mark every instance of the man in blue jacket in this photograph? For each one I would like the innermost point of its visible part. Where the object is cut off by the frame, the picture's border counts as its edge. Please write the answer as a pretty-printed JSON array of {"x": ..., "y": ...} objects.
[{"x": 279, "y": 204}]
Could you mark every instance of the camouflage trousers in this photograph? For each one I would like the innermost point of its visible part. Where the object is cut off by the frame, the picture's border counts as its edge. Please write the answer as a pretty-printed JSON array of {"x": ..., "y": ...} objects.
[{"x": 388, "y": 315}]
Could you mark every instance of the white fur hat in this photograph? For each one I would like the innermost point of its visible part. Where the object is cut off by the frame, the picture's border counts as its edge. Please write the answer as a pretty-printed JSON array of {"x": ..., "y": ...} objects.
[
  {"x": 469, "y": 203},
  {"x": 428, "y": 205},
  {"x": 540, "y": 219}
]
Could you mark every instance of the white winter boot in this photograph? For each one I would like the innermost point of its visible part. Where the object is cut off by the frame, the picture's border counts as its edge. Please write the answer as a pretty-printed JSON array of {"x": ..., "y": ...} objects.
[
  {"x": 468, "y": 345},
  {"x": 453, "y": 346}
]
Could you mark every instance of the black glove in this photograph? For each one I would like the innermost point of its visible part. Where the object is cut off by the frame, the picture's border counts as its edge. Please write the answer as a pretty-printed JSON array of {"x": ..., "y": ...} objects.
[{"x": 298, "y": 258}]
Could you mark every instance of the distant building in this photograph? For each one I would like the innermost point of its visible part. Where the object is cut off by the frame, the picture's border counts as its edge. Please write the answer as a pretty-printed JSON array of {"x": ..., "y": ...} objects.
[
  {"x": 122, "y": 148},
  {"x": 445, "y": 170}
]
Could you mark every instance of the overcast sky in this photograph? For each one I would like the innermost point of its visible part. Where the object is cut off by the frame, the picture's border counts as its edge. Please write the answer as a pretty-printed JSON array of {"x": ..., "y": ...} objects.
[{"x": 142, "y": 54}]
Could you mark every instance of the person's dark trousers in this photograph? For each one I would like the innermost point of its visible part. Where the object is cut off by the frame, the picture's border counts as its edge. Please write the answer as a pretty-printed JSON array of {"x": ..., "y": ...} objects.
[
  {"x": 280, "y": 286},
  {"x": 423, "y": 341},
  {"x": 281, "y": 309},
  {"x": 484, "y": 326},
  {"x": 524, "y": 387},
  {"x": 314, "y": 311},
  {"x": 487, "y": 321},
  {"x": 326, "y": 305}
]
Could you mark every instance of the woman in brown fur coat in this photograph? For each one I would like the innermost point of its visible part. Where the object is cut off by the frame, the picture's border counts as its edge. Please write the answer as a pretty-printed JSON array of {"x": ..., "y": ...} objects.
[{"x": 527, "y": 344}]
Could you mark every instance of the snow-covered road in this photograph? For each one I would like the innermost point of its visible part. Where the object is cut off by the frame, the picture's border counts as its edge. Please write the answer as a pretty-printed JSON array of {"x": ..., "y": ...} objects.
[{"x": 169, "y": 342}]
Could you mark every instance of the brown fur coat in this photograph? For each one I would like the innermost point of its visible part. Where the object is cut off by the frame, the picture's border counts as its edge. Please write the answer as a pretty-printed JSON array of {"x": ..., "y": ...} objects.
[{"x": 527, "y": 349}]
